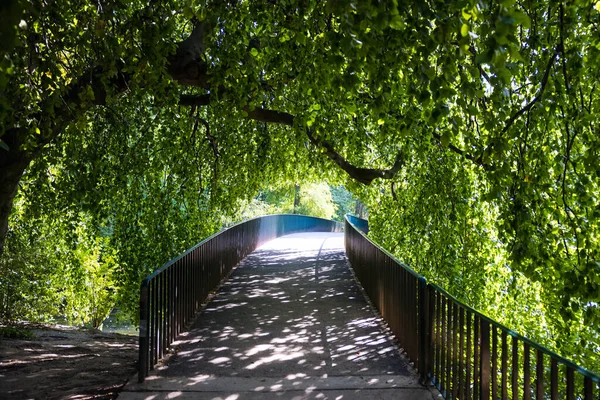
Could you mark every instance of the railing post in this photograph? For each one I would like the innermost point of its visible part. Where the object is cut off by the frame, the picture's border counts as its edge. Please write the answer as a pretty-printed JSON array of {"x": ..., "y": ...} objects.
[
  {"x": 424, "y": 331},
  {"x": 143, "y": 341},
  {"x": 485, "y": 360}
]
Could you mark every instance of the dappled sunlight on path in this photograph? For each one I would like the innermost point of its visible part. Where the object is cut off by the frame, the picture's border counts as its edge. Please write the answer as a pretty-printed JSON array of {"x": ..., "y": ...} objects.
[{"x": 291, "y": 318}]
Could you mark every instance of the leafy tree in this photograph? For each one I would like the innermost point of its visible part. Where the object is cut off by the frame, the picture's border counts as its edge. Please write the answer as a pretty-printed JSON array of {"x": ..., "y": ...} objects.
[
  {"x": 313, "y": 199},
  {"x": 491, "y": 104},
  {"x": 344, "y": 202}
]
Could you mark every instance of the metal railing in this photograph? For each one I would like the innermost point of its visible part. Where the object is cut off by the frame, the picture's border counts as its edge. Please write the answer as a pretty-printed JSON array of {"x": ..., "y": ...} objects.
[
  {"x": 171, "y": 296},
  {"x": 463, "y": 353}
]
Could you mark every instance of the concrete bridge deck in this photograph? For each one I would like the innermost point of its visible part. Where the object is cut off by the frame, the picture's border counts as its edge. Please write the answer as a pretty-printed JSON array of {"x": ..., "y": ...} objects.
[{"x": 290, "y": 323}]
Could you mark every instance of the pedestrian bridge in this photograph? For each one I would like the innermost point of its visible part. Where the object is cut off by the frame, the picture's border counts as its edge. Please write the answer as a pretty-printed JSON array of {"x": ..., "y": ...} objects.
[{"x": 313, "y": 313}]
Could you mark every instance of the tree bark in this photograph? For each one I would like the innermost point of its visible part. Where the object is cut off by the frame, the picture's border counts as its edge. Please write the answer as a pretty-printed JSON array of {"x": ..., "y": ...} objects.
[{"x": 12, "y": 167}]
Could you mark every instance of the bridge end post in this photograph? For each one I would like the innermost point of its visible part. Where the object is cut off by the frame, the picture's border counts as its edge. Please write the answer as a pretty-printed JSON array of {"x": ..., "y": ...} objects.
[
  {"x": 143, "y": 339},
  {"x": 424, "y": 331}
]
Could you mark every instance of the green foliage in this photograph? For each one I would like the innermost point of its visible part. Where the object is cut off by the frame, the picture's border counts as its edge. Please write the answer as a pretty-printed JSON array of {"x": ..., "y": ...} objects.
[
  {"x": 344, "y": 201},
  {"x": 492, "y": 106},
  {"x": 315, "y": 200},
  {"x": 437, "y": 222},
  {"x": 12, "y": 332}
]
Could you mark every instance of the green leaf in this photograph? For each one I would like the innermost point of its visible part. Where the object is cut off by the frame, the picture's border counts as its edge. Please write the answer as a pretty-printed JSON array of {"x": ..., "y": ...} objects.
[
  {"x": 445, "y": 139},
  {"x": 466, "y": 14},
  {"x": 397, "y": 23},
  {"x": 254, "y": 52}
]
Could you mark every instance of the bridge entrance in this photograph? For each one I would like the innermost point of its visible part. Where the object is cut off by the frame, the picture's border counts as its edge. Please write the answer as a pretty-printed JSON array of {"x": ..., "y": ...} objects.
[{"x": 290, "y": 323}]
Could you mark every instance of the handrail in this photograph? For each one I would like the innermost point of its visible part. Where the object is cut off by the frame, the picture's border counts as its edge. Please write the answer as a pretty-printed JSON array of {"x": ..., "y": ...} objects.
[
  {"x": 462, "y": 352},
  {"x": 172, "y": 295}
]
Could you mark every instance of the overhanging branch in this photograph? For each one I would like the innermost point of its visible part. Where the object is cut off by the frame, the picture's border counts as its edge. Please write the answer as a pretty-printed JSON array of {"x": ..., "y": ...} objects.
[{"x": 362, "y": 175}]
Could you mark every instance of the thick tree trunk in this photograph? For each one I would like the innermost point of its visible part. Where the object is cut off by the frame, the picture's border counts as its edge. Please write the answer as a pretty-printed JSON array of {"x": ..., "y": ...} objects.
[{"x": 12, "y": 166}]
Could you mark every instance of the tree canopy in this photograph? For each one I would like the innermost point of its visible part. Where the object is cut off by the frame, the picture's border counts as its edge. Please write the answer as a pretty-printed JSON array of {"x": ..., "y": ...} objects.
[{"x": 468, "y": 127}]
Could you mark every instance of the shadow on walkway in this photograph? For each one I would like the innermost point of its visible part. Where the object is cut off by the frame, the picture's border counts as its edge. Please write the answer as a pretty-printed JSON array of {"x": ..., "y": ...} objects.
[{"x": 290, "y": 322}]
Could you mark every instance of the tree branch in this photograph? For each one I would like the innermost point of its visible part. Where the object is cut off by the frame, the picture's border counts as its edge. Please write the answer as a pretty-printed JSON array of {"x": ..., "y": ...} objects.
[
  {"x": 453, "y": 148},
  {"x": 211, "y": 139},
  {"x": 537, "y": 98},
  {"x": 525, "y": 109},
  {"x": 186, "y": 65},
  {"x": 276, "y": 117},
  {"x": 362, "y": 175},
  {"x": 194, "y": 100}
]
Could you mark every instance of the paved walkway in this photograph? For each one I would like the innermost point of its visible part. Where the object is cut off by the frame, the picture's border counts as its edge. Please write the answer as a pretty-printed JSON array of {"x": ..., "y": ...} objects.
[{"x": 290, "y": 323}]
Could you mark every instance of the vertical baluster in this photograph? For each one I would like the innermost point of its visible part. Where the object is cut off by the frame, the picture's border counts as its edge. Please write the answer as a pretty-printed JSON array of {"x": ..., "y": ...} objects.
[
  {"x": 539, "y": 376},
  {"x": 526, "y": 372},
  {"x": 438, "y": 337},
  {"x": 485, "y": 360},
  {"x": 451, "y": 354},
  {"x": 171, "y": 306},
  {"x": 469, "y": 356},
  {"x": 570, "y": 384},
  {"x": 494, "y": 370},
  {"x": 504, "y": 365},
  {"x": 190, "y": 286},
  {"x": 588, "y": 390},
  {"x": 414, "y": 306},
  {"x": 553, "y": 379},
  {"x": 144, "y": 320},
  {"x": 186, "y": 293},
  {"x": 461, "y": 365},
  {"x": 454, "y": 341},
  {"x": 183, "y": 284},
  {"x": 515, "y": 368},
  {"x": 165, "y": 334},
  {"x": 476, "y": 358},
  {"x": 443, "y": 344},
  {"x": 431, "y": 344},
  {"x": 402, "y": 308},
  {"x": 158, "y": 318},
  {"x": 190, "y": 279},
  {"x": 396, "y": 297},
  {"x": 197, "y": 280},
  {"x": 179, "y": 297},
  {"x": 154, "y": 323}
]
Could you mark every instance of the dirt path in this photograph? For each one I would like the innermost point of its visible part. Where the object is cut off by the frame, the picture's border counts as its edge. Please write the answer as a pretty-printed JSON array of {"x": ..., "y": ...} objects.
[{"x": 66, "y": 363}]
